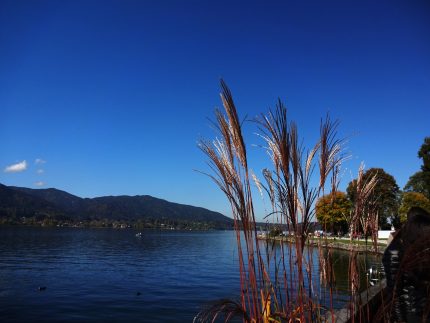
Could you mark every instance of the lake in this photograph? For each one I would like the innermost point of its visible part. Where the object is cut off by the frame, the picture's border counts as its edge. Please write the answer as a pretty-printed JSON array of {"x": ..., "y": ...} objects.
[{"x": 110, "y": 275}]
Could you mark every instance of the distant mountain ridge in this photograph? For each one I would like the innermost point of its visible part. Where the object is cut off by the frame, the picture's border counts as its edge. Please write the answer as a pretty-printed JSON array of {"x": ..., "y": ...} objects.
[
  {"x": 63, "y": 200},
  {"x": 54, "y": 203}
]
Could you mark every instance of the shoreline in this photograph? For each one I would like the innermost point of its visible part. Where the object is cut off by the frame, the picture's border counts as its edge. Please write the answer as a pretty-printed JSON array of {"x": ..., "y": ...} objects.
[{"x": 336, "y": 243}]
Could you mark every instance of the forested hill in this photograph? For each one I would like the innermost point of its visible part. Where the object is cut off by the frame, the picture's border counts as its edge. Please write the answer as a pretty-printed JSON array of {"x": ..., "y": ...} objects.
[{"x": 56, "y": 206}]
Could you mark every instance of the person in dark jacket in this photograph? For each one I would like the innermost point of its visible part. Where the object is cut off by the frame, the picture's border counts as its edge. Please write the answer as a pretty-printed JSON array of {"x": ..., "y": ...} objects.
[{"x": 407, "y": 267}]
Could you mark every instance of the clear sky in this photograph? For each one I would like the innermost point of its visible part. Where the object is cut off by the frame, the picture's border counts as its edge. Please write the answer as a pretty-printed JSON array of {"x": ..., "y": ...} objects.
[{"x": 110, "y": 97}]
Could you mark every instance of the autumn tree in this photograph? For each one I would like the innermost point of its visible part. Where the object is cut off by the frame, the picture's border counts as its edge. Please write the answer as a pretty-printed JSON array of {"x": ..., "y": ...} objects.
[
  {"x": 420, "y": 181},
  {"x": 411, "y": 199},
  {"x": 385, "y": 195},
  {"x": 331, "y": 211}
]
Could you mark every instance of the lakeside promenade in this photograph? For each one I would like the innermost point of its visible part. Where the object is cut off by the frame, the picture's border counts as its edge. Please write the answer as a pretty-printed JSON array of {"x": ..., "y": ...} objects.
[{"x": 358, "y": 245}]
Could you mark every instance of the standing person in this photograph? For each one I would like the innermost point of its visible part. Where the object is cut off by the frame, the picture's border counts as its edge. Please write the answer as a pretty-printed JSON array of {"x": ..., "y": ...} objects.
[{"x": 407, "y": 267}]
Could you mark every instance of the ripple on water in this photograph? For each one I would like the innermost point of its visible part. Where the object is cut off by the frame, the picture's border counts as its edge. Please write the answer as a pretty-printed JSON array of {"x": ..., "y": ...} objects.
[{"x": 95, "y": 274}]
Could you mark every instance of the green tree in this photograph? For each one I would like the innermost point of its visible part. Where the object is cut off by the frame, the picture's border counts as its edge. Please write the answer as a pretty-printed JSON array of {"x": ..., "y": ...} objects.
[
  {"x": 331, "y": 211},
  {"x": 420, "y": 181},
  {"x": 424, "y": 154},
  {"x": 411, "y": 199},
  {"x": 386, "y": 195}
]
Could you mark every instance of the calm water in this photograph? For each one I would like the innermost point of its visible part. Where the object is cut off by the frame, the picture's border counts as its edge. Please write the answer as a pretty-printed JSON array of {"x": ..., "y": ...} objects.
[{"x": 96, "y": 274}]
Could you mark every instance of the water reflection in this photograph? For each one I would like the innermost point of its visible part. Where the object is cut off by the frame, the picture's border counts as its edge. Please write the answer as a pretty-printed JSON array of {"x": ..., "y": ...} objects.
[{"x": 325, "y": 268}]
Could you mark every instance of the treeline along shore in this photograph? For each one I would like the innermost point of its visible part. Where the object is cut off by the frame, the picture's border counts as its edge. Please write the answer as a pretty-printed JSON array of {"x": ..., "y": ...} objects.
[{"x": 53, "y": 207}]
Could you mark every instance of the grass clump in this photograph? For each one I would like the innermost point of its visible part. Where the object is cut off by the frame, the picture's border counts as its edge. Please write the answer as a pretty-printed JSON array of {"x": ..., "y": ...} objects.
[{"x": 278, "y": 284}]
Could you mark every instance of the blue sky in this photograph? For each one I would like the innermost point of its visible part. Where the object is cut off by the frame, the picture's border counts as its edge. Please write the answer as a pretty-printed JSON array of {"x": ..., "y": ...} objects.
[{"x": 110, "y": 97}]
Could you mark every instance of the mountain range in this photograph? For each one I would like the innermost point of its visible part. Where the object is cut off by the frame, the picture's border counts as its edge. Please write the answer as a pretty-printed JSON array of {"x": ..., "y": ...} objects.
[{"x": 41, "y": 204}]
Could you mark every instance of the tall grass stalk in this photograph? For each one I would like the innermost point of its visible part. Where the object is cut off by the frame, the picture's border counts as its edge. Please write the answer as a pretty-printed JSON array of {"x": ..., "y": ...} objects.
[
  {"x": 363, "y": 217},
  {"x": 228, "y": 160}
]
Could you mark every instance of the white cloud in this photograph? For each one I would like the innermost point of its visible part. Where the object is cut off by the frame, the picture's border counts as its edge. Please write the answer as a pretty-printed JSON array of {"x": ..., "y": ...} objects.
[
  {"x": 39, "y": 161},
  {"x": 39, "y": 183},
  {"x": 40, "y": 171},
  {"x": 15, "y": 168}
]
